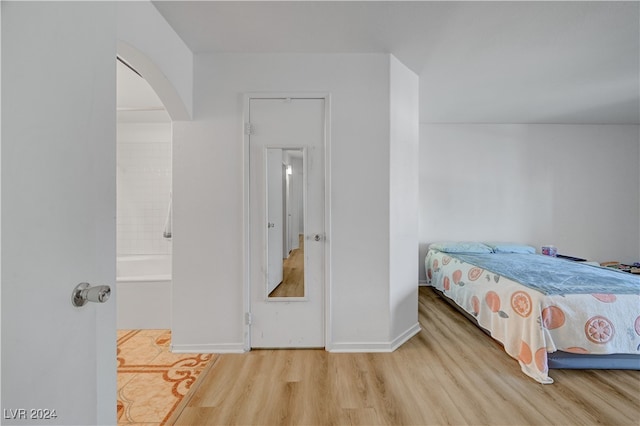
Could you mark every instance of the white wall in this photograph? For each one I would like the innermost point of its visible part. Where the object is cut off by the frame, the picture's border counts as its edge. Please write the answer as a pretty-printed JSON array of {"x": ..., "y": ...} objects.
[
  {"x": 403, "y": 198},
  {"x": 143, "y": 187},
  {"x": 574, "y": 186},
  {"x": 208, "y": 194}
]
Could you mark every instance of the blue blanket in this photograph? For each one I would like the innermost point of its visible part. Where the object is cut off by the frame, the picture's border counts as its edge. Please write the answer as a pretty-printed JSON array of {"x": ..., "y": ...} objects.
[{"x": 550, "y": 275}]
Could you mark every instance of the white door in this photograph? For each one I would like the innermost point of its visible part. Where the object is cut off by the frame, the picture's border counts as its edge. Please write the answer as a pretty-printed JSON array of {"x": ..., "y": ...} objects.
[
  {"x": 275, "y": 222},
  {"x": 296, "y": 126},
  {"x": 58, "y": 212}
]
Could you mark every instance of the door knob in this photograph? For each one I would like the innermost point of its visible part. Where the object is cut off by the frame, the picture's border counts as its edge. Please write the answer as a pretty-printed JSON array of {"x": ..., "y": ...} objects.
[
  {"x": 84, "y": 293},
  {"x": 317, "y": 237}
]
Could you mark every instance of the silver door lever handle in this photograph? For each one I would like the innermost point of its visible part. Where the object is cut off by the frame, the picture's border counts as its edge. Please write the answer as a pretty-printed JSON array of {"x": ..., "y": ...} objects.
[{"x": 84, "y": 293}]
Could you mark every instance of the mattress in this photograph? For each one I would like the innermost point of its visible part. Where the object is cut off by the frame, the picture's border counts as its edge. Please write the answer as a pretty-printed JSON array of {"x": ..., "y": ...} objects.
[{"x": 542, "y": 329}]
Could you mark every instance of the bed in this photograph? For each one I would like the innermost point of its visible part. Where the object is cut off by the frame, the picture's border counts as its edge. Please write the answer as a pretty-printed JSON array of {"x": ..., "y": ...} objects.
[{"x": 546, "y": 312}]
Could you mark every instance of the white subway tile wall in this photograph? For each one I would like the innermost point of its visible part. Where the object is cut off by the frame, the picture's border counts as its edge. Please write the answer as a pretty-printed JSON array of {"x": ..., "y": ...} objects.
[{"x": 143, "y": 187}]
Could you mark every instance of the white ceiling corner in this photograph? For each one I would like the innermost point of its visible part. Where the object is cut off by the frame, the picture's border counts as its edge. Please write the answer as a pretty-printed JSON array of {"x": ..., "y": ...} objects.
[{"x": 478, "y": 62}]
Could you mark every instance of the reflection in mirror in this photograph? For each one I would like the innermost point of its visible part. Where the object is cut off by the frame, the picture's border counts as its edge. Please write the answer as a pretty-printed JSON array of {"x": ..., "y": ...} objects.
[{"x": 285, "y": 222}]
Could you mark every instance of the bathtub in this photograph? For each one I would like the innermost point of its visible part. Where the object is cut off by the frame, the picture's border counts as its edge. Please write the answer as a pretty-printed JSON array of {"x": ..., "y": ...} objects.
[{"x": 143, "y": 291}]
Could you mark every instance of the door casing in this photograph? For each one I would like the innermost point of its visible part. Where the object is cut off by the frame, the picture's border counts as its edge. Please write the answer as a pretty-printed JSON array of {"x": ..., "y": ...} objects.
[{"x": 246, "y": 243}]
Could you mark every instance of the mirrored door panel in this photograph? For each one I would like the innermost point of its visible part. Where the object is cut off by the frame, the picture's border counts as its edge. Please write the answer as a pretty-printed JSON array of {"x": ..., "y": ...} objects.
[
  {"x": 285, "y": 178},
  {"x": 286, "y": 212}
]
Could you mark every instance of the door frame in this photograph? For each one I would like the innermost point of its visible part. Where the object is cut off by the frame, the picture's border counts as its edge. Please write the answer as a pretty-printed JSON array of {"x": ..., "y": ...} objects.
[{"x": 246, "y": 237}]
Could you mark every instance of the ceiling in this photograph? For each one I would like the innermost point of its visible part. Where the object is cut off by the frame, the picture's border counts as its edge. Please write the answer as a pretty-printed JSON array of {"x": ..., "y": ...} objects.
[{"x": 478, "y": 62}]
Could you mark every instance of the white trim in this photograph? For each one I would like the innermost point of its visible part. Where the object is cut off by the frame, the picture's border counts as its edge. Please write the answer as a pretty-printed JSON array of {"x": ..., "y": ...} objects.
[
  {"x": 246, "y": 203},
  {"x": 161, "y": 85},
  {"x": 1, "y": 363},
  {"x": 209, "y": 348},
  {"x": 404, "y": 337},
  {"x": 246, "y": 294},
  {"x": 328, "y": 319},
  {"x": 376, "y": 346}
]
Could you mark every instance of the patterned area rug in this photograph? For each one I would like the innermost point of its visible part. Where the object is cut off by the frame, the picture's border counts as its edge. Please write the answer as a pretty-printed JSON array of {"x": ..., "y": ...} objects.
[{"x": 152, "y": 381}]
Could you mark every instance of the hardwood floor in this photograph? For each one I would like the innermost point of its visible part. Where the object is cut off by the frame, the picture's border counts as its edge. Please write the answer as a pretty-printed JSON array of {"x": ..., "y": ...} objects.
[
  {"x": 449, "y": 373},
  {"x": 292, "y": 284}
]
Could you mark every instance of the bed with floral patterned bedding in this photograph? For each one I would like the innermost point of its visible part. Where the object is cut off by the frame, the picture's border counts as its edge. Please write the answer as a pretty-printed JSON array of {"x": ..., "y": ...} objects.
[{"x": 537, "y": 305}]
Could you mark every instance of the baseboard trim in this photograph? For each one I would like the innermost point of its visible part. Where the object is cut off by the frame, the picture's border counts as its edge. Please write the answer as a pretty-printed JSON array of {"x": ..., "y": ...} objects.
[
  {"x": 404, "y": 337},
  {"x": 235, "y": 348},
  {"x": 221, "y": 348},
  {"x": 375, "y": 346}
]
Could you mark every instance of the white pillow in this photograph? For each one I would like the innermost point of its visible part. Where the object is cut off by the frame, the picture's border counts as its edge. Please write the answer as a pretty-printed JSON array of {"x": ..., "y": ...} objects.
[
  {"x": 461, "y": 247},
  {"x": 511, "y": 248}
]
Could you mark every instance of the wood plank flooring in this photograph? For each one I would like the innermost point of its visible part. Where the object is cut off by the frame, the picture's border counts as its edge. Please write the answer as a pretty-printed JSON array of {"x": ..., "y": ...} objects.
[
  {"x": 449, "y": 373},
  {"x": 292, "y": 284}
]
